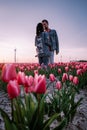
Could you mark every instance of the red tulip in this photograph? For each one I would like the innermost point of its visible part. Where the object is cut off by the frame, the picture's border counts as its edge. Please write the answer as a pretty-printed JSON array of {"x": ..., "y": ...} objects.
[
  {"x": 13, "y": 89},
  {"x": 8, "y": 72},
  {"x": 31, "y": 80},
  {"x": 71, "y": 77},
  {"x": 58, "y": 85},
  {"x": 52, "y": 77},
  {"x": 66, "y": 68},
  {"x": 79, "y": 72},
  {"x": 75, "y": 80},
  {"x": 26, "y": 84},
  {"x": 64, "y": 77},
  {"x": 21, "y": 78},
  {"x": 59, "y": 71},
  {"x": 36, "y": 79},
  {"x": 35, "y": 72},
  {"x": 40, "y": 87}
]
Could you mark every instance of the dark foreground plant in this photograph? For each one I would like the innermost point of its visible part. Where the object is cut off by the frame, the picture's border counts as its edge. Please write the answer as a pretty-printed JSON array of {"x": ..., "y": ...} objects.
[{"x": 28, "y": 114}]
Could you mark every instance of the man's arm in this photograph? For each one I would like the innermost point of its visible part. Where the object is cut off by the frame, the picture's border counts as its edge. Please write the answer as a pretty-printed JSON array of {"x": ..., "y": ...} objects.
[{"x": 57, "y": 43}]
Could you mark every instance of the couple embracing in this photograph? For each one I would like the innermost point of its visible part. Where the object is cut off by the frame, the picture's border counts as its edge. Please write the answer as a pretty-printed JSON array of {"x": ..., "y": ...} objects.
[{"x": 46, "y": 42}]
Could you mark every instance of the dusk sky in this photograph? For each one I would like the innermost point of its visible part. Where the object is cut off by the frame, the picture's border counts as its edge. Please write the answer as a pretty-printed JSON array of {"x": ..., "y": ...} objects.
[{"x": 18, "y": 20}]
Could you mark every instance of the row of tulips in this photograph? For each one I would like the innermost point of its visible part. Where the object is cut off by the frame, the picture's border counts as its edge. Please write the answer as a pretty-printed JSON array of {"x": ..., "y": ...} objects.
[{"x": 33, "y": 107}]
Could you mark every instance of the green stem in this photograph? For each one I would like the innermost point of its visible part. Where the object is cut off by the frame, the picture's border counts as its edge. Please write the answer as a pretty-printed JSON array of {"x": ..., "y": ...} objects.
[
  {"x": 12, "y": 109},
  {"x": 38, "y": 97}
]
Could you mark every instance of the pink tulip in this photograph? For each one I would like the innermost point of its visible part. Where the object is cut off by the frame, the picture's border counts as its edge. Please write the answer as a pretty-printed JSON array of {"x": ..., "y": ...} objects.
[
  {"x": 35, "y": 72},
  {"x": 66, "y": 68},
  {"x": 64, "y": 77},
  {"x": 58, "y": 85},
  {"x": 71, "y": 77},
  {"x": 26, "y": 84},
  {"x": 31, "y": 80},
  {"x": 21, "y": 78},
  {"x": 75, "y": 80},
  {"x": 29, "y": 89},
  {"x": 13, "y": 89},
  {"x": 36, "y": 77},
  {"x": 40, "y": 86},
  {"x": 36, "y": 84},
  {"x": 79, "y": 72},
  {"x": 52, "y": 77},
  {"x": 59, "y": 71},
  {"x": 8, "y": 72}
]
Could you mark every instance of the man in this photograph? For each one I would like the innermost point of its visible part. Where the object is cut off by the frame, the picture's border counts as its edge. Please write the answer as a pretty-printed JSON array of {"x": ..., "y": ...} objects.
[{"x": 53, "y": 39}]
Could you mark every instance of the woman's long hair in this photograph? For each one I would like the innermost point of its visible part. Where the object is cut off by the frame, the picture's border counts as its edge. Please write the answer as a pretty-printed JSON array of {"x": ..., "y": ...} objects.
[{"x": 39, "y": 29}]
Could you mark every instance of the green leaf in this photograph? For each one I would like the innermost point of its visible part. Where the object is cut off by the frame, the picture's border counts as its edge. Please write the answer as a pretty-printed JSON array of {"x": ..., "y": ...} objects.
[
  {"x": 4, "y": 115},
  {"x": 9, "y": 125},
  {"x": 50, "y": 120},
  {"x": 61, "y": 125},
  {"x": 31, "y": 105}
]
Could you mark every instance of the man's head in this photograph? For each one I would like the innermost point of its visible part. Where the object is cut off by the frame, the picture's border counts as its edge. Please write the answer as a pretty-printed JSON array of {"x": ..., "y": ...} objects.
[{"x": 45, "y": 24}]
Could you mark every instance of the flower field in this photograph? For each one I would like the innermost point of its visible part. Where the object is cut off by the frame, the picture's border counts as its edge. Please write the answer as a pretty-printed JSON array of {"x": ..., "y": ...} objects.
[{"x": 40, "y": 96}]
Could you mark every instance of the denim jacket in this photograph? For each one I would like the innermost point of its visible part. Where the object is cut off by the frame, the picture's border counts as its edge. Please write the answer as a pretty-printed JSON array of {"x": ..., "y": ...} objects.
[
  {"x": 42, "y": 43},
  {"x": 54, "y": 40}
]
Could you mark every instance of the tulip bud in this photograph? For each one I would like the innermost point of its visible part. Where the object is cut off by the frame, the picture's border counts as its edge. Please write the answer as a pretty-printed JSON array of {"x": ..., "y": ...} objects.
[
  {"x": 13, "y": 89},
  {"x": 21, "y": 78},
  {"x": 59, "y": 71},
  {"x": 52, "y": 77},
  {"x": 58, "y": 85},
  {"x": 40, "y": 87},
  {"x": 79, "y": 72},
  {"x": 8, "y": 72},
  {"x": 71, "y": 77},
  {"x": 75, "y": 80},
  {"x": 64, "y": 77},
  {"x": 66, "y": 68}
]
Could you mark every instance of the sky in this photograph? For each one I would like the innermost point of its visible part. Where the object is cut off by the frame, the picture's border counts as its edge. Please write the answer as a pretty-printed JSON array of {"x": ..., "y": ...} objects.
[{"x": 18, "y": 20}]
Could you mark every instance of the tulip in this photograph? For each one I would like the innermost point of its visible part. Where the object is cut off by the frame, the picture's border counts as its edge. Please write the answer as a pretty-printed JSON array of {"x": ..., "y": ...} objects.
[
  {"x": 79, "y": 72},
  {"x": 13, "y": 89},
  {"x": 71, "y": 77},
  {"x": 31, "y": 80},
  {"x": 64, "y": 77},
  {"x": 35, "y": 72},
  {"x": 58, "y": 85},
  {"x": 52, "y": 77},
  {"x": 26, "y": 84},
  {"x": 36, "y": 77},
  {"x": 21, "y": 78},
  {"x": 8, "y": 72},
  {"x": 59, "y": 71},
  {"x": 66, "y": 68},
  {"x": 40, "y": 86},
  {"x": 75, "y": 80}
]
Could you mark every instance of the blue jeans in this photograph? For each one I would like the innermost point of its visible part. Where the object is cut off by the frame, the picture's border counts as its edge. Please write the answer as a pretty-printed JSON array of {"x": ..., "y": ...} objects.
[
  {"x": 44, "y": 60},
  {"x": 51, "y": 58}
]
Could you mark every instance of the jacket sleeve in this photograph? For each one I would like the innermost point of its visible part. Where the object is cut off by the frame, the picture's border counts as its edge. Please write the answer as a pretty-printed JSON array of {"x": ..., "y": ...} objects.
[
  {"x": 35, "y": 41},
  {"x": 57, "y": 42}
]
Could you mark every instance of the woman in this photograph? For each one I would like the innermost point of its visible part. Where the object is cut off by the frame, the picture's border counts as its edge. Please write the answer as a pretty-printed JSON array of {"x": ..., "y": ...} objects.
[{"x": 42, "y": 44}]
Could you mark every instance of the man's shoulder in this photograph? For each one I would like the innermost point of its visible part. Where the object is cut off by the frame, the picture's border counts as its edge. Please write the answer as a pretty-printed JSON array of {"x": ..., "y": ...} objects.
[{"x": 52, "y": 30}]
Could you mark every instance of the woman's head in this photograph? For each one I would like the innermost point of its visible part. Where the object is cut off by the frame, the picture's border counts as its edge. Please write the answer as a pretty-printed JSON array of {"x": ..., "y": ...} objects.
[{"x": 39, "y": 28}]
